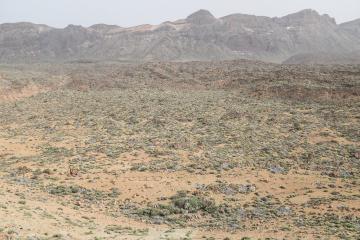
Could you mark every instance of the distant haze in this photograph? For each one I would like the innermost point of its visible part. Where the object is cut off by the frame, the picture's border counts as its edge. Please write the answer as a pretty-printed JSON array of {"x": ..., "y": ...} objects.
[{"x": 135, "y": 12}]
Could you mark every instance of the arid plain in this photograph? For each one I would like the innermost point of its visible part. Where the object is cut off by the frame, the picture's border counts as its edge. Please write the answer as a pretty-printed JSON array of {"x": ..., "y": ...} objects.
[{"x": 197, "y": 150}]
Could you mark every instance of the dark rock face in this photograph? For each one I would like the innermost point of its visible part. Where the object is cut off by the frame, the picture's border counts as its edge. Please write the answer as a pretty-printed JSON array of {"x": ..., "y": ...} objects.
[{"x": 200, "y": 36}]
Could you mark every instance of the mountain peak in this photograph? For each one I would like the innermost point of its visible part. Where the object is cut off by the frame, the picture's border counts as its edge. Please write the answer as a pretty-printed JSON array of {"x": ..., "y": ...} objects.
[
  {"x": 73, "y": 26},
  {"x": 308, "y": 16},
  {"x": 201, "y": 17},
  {"x": 304, "y": 14},
  {"x": 355, "y": 23},
  {"x": 308, "y": 12},
  {"x": 104, "y": 28}
]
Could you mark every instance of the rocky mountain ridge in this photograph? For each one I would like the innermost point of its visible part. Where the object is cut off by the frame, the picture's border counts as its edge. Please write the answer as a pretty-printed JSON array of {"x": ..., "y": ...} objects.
[{"x": 200, "y": 36}]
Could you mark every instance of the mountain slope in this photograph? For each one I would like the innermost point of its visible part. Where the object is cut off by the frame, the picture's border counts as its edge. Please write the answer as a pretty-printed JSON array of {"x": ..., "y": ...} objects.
[{"x": 200, "y": 36}]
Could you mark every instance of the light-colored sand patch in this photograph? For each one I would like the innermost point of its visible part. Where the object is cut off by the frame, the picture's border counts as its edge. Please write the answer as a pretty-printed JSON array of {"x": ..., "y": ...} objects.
[
  {"x": 326, "y": 135},
  {"x": 27, "y": 91},
  {"x": 18, "y": 148}
]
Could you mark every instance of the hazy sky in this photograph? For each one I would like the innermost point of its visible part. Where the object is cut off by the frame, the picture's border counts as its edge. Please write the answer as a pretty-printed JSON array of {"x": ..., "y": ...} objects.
[{"x": 59, "y": 13}]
